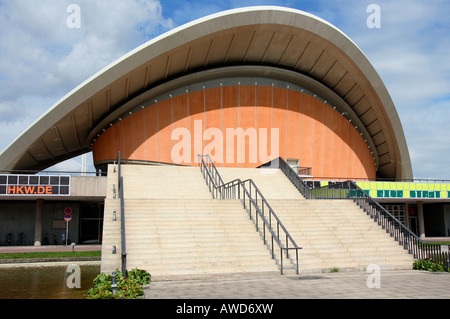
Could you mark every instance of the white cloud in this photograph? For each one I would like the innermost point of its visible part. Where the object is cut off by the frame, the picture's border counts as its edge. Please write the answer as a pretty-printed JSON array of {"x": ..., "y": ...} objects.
[
  {"x": 410, "y": 53},
  {"x": 42, "y": 58},
  {"x": 429, "y": 145}
]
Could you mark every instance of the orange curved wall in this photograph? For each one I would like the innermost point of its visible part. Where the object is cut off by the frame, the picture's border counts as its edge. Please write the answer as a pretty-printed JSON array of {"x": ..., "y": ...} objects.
[{"x": 308, "y": 130}]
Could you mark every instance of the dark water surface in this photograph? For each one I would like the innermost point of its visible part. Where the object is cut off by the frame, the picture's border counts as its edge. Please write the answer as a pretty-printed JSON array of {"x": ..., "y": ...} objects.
[{"x": 45, "y": 282}]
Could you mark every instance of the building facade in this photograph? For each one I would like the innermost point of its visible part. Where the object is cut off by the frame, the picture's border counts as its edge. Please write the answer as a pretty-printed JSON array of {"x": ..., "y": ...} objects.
[{"x": 245, "y": 86}]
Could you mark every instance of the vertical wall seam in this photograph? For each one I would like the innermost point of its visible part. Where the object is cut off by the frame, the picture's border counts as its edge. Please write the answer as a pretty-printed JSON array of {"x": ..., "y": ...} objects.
[
  {"x": 157, "y": 129},
  {"x": 256, "y": 125},
  {"x": 239, "y": 124},
  {"x": 301, "y": 128},
  {"x": 313, "y": 128},
  {"x": 204, "y": 119},
  {"x": 132, "y": 136},
  {"x": 221, "y": 120},
  {"x": 287, "y": 124},
  {"x": 171, "y": 119},
  {"x": 271, "y": 111},
  {"x": 187, "y": 109},
  {"x": 324, "y": 138},
  {"x": 147, "y": 158}
]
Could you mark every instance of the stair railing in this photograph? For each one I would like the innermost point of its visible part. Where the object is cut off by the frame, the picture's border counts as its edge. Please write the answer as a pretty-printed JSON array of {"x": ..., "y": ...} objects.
[
  {"x": 122, "y": 218},
  {"x": 401, "y": 233},
  {"x": 350, "y": 190},
  {"x": 256, "y": 205},
  {"x": 298, "y": 182},
  {"x": 211, "y": 175}
]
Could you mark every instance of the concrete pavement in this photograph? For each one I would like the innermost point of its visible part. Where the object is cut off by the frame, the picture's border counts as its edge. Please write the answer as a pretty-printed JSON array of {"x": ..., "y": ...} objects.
[{"x": 386, "y": 284}]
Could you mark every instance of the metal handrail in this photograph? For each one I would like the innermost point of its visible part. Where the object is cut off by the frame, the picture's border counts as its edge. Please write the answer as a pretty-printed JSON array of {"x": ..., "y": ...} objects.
[
  {"x": 210, "y": 181},
  {"x": 230, "y": 192},
  {"x": 122, "y": 217},
  {"x": 215, "y": 176},
  {"x": 298, "y": 182},
  {"x": 401, "y": 233},
  {"x": 233, "y": 189}
]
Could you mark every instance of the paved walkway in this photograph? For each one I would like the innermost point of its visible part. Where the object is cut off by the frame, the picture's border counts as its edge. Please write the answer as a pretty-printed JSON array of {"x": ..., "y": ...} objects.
[{"x": 388, "y": 284}]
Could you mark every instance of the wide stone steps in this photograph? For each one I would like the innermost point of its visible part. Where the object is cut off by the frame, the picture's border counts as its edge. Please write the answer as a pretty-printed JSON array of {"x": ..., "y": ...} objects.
[
  {"x": 175, "y": 228},
  {"x": 159, "y": 182},
  {"x": 337, "y": 234},
  {"x": 271, "y": 182}
]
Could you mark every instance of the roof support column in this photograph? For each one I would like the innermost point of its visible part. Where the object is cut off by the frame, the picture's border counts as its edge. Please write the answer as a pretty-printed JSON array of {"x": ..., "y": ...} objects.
[
  {"x": 38, "y": 222},
  {"x": 421, "y": 220}
]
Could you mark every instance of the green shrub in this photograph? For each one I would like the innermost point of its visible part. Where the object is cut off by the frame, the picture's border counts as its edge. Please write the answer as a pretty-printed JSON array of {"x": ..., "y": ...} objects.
[
  {"x": 427, "y": 265},
  {"x": 129, "y": 287}
]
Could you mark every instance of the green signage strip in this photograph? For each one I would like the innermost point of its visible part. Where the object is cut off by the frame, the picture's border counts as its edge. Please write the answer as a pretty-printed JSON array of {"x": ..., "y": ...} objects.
[
  {"x": 391, "y": 189},
  {"x": 405, "y": 190}
]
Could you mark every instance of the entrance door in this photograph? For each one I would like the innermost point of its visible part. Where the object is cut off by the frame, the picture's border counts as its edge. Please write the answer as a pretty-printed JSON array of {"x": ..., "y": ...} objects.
[
  {"x": 414, "y": 224},
  {"x": 91, "y": 223}
]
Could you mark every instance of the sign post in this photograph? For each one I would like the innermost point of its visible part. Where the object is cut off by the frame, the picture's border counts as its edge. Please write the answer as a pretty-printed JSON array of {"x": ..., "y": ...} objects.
[{"x": 67, "y": 218}]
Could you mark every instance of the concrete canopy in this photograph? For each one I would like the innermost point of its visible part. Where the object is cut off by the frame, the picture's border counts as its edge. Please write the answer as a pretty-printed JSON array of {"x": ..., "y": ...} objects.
[{"x": 277, "y": 41}]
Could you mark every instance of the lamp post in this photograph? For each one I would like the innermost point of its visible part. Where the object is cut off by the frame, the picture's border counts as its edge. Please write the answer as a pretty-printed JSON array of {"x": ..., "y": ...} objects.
[{"x": 113, "y": 283}]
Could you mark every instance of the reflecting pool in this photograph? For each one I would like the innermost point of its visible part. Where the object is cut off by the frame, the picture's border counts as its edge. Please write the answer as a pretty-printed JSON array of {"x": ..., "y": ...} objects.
[{"x": 47, "y": 282}]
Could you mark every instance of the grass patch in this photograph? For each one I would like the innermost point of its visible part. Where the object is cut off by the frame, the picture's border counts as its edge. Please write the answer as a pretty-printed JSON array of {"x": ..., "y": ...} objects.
[
  {"x": 438, "y": 242},
  {"x": 52, "y": 254}
]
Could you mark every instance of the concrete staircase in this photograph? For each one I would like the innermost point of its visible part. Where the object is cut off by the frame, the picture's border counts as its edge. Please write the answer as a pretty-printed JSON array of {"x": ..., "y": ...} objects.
[
  {"x": 194, "y": 237},
  {"x": 272, "y": 183},
  {"x": 175, "y": 228},
  {"x": 337, "y": 234},
  {"x": 332, "y": 233},
  {"x": 111, "y": 239}
]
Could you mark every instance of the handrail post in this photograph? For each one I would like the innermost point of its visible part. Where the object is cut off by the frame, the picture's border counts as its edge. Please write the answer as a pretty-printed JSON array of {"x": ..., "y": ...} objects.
[{"x": 281, "y": 258}]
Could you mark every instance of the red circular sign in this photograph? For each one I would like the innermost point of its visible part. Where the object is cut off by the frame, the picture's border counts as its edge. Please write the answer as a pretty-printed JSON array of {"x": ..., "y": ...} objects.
[
  {"x": 67, "y": 218},
  {"x": 68, "y": 211}
]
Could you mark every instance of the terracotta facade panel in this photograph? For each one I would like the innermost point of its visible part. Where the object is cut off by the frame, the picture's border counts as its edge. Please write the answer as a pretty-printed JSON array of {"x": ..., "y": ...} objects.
[
  {"x": 209, "y": 119},
  {"x": 246, "y": 144},
  {"x": 264, "y": 113},
  {"x": 196, "y": 117},
  {"x": 151, "y": 133},
  {"x": 307, "y": 131},
  {"x": 138, "y": 131},
  {"x": 230, "y": 113},
  {"x": 212, "y": 123},
  {"x": 294, "y": 125},
  {"x": 280, "y": 117}
]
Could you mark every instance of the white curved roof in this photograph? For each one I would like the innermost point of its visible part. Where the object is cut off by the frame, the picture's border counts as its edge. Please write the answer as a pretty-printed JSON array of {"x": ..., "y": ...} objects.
[{"x": 279, "y": 38}]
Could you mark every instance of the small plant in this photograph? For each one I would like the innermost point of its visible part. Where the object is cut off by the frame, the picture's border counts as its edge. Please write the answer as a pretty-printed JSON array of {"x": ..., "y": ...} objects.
[
  {"x": 428, "y": 265},
  {"x": 139, "y": 275},
  {"x": 129, "y": 287},
  {"x": 335, "y": 269}
]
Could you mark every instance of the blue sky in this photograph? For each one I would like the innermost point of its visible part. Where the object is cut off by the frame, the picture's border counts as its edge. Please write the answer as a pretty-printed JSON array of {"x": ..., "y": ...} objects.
[{"x": 42, "y": 59}]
